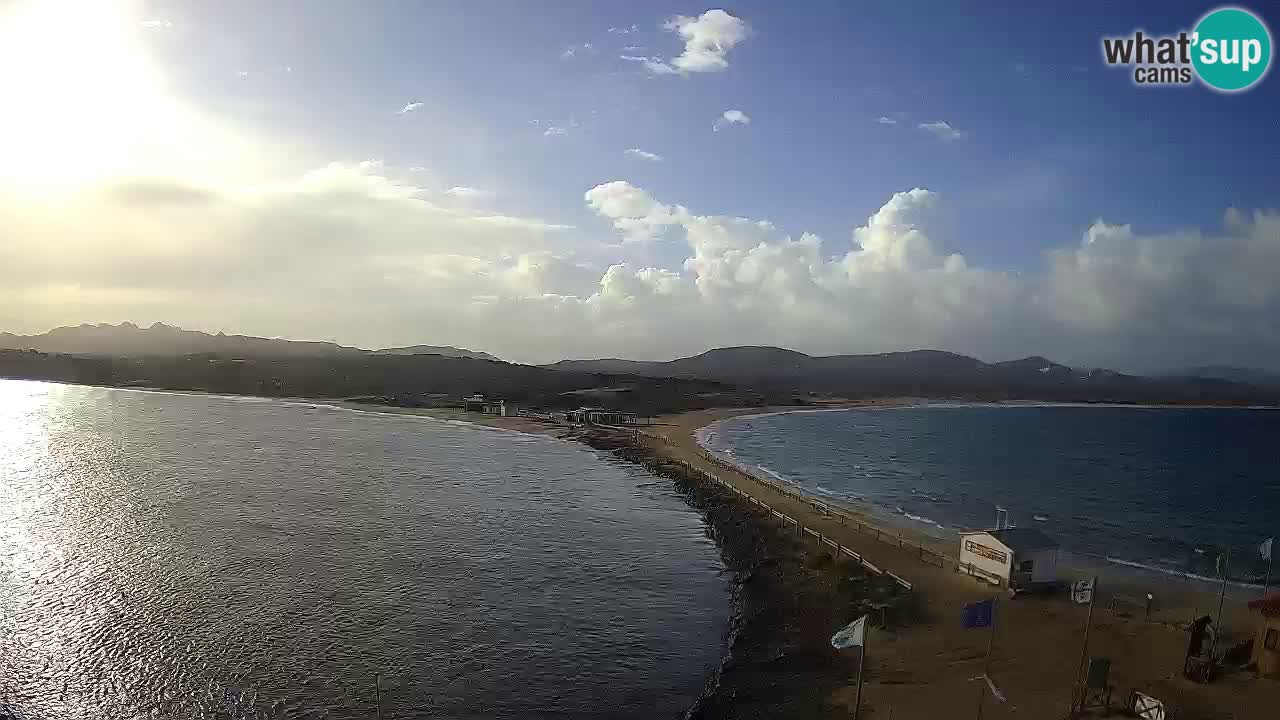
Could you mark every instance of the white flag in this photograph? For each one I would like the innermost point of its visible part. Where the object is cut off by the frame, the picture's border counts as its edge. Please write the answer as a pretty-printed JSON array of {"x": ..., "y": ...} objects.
[
  {"x": 1265, "y": 549},
  {"x": 851, "y": 635},
  {"x": 995, "y": 691}
]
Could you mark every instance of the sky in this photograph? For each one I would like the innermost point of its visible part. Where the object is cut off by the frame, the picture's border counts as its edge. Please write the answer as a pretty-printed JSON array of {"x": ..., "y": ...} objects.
[{"x": 644, "y": 180}]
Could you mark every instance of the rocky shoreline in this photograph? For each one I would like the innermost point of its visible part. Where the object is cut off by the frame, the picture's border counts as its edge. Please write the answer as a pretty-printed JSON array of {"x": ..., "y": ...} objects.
[{"x": 788, "y": 598}]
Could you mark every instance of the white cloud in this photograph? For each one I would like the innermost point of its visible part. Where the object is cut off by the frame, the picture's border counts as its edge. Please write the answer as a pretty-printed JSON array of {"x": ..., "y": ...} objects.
[
  {"x": 731, "y": 117},
  {"x": 708, "y": 39},
  {"x": 363, "y": 253},
  {"x": 623, "y": 30},
  {"x": 468, "y": 193},
  {"x": 408, "y": 108},
  {"x": 941, "y": 130},
  {"x": 156, "y": 23},
  {"x": 555, "y": 131},
  {"x": 886, "y": 120},
  {"x": 637, "y": 152},
  {"x": 575, "y": 50},
  {"x": 631, "y": 48},
  {"x": 655, "y": 65},
  {"x": 417, "y": 169}
]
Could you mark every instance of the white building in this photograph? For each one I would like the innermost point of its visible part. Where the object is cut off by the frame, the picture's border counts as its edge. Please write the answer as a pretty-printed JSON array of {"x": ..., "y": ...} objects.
[{"x": 1012, "y": 557}]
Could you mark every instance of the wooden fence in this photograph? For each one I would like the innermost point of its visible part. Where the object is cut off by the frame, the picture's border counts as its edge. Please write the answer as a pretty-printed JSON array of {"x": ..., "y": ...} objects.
[
  {"x": 820, "y": 540},
  {"x": 922, "y": 553}
]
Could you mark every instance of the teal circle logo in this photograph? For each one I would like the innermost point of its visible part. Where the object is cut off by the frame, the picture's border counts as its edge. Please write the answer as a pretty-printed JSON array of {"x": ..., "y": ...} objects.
[{"x": 1231, "y": 49}]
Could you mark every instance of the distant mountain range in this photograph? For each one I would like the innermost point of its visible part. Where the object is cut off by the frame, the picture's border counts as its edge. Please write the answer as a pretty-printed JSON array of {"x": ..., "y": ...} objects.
[
  {"x": 1249, "y": 376},
  {"x": 129, "y": 340},
  {"x": 931, "y": 373},
  {"x": 749, "y": 374}
]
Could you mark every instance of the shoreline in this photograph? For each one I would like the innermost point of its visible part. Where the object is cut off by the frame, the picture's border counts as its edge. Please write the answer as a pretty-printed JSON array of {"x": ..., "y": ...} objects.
[
  {"x": 786, "y": 602},
  {"x": 943, "y": 539},
  {"x": 917, "y": 671}
]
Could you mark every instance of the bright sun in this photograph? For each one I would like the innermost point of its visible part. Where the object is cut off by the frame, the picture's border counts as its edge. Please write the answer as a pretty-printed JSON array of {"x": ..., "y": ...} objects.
[
  {"x": 78, "y": 91},
  {"x": 84, "y": 102}
]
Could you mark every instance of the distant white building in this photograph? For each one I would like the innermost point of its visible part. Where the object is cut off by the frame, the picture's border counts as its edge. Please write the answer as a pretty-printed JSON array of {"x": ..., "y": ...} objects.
[
  {"x": 498, "y": 407},
  {"x": 601, "y": 416},
  {"x": 1012, "y": 557}
]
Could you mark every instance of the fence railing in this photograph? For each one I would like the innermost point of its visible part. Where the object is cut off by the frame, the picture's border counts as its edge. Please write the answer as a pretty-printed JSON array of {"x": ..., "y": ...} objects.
[
  {"x": 922, "y": 553},
  {"x": 802, "y": 530}
]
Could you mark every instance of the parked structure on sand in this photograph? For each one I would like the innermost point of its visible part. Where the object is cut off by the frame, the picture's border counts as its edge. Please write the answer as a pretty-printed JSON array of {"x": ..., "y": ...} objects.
[
  {"x": 1266, "y": 643},
  {"x": 1020, "y": 559},
  {"x": 489, "y": 406}
]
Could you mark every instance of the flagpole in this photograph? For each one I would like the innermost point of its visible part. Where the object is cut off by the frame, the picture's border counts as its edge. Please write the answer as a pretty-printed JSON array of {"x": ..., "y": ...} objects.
[
  {"x": 1271, "y": 558},
  {"x": 1217, "y": 622},
  {"x": 1084, "y": 646},
  {"x": 862, "y": 658},
  {"x": 986, "y": 665}
]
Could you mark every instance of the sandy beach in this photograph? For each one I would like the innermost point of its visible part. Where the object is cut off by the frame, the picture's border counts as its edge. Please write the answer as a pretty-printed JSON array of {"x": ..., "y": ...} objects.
[{"x": 925, "y": 669}]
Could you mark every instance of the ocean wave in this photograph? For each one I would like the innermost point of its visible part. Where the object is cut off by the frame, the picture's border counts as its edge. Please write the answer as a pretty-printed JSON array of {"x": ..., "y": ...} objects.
[
  {"x": 774, "y": 474},
  {"x": 1177, "y": 573}
]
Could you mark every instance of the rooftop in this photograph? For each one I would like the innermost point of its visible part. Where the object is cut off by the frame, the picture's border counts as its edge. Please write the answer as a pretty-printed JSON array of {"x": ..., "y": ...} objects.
[
  {"x": 1269, "y": 605},
  {"x": 1023, "y": 539}
]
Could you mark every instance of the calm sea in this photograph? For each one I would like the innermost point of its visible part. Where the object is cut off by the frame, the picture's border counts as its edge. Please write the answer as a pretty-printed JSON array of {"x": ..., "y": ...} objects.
[
  {"x": 158, "y": 549},
  {"x": 1166, "y": 488}
]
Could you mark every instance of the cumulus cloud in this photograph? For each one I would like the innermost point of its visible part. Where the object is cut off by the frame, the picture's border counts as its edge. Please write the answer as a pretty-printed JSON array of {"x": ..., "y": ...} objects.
[
  {"x": 408, "y": 108},
  {"x": 708, "y": 39},
  {"x": 358, "y": 253},
  {"x": 731, "y": 117},
  {"x": 941, "y": 130},
  {"x": 645, "y": 154}
]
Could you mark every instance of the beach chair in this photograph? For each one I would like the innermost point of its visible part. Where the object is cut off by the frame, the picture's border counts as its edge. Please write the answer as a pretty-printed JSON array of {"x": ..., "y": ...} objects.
[{"x": 1096, "y": 693}]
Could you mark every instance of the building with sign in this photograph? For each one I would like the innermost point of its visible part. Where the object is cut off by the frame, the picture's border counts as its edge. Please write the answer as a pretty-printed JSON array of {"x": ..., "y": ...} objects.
[
  {"x": 1012, "y": 557},
  {"x": 1266, "y": 644}
]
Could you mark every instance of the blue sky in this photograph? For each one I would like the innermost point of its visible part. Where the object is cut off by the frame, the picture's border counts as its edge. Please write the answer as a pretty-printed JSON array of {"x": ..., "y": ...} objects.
[
  {"x": 1053, "y": 139},
  {"x": 1046, "y": 142}
]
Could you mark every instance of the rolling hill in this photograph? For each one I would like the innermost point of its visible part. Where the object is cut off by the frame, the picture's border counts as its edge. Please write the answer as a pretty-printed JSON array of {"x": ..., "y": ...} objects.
[
  {"x": 930, "y": 373},
  {"x": 129, "y": 340}
]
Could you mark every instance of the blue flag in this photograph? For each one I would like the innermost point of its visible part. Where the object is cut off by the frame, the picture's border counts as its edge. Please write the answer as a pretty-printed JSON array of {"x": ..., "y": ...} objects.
[{"x": 979, "y": 614}]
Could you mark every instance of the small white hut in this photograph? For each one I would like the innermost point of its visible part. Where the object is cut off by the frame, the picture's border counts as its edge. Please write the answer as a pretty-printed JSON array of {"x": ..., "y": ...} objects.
[{"x": 1012, "y": 557}]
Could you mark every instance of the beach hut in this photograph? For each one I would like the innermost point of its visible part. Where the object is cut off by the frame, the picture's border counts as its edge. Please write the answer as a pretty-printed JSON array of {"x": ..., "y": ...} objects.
[
  {"x": 1266, "y": 644},
  {"x": 498, "y": 407},
  {"x": 1017, "y": 558},
  {"x": 475, "y": 403}
]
